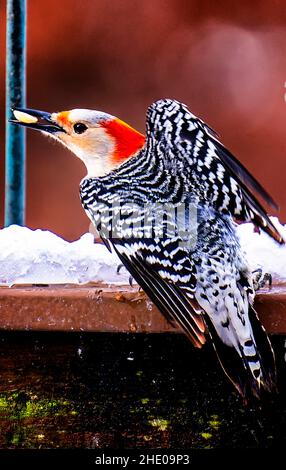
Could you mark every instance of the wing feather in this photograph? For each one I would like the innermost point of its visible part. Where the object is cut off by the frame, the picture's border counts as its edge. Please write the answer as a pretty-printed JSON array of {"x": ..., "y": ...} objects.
[
  {"x": 238, "y": 171},
  {"x": 248, "y": 185},
  {"x": 168, "y": 297}
]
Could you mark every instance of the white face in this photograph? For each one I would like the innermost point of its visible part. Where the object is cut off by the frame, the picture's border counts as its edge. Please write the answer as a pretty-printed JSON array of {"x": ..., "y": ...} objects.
[
  {"x": 85, "y": 135},
  {"x": 102, "y": 141}
]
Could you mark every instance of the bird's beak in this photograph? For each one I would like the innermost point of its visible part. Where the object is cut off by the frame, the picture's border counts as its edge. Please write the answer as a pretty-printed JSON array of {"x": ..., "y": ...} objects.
[{"x": 34, "y": 119}]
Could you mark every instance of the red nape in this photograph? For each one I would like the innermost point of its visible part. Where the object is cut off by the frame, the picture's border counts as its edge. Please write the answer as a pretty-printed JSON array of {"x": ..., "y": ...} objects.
[{"x": 128, "y": 141}]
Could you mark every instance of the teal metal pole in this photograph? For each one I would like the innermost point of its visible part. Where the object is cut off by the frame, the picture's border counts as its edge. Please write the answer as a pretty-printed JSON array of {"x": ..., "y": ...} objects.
[{"x": 15, "y": 97}]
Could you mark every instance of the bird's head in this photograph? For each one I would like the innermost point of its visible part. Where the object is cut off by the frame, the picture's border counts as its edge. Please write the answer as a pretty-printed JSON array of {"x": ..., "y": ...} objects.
[{"x": 100, "y": 140}]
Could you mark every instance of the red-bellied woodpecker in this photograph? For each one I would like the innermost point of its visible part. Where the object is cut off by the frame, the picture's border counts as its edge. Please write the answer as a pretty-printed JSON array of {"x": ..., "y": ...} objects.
[{"x": 166, "y": 205}]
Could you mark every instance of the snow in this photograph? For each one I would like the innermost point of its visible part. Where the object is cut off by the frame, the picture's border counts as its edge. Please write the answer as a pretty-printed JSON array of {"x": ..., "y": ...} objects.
[
  {"x": 262, "y": 252},
  {"x": 41, "y": 257}
]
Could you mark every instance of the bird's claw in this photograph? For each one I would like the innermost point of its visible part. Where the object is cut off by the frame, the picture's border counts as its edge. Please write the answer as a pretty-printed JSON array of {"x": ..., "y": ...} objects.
[
  {"x": 260, "y": 279},
  {"x": 119, "y": 267}
]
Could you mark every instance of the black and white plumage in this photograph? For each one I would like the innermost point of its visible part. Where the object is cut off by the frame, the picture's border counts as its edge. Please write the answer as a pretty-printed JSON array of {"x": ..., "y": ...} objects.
[
  {"x": 206, "y": 285},
  {"x": 169, "y": 212}
]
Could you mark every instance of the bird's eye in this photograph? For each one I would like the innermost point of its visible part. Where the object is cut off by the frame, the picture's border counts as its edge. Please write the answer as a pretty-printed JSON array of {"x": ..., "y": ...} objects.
[{"x": 79, "y": 128}]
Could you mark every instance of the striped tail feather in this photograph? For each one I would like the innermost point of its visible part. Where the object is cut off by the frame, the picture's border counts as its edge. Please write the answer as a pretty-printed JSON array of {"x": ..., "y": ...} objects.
[
  {"x": 266, "y": 353},
  {"x": 251, "y": 368}
]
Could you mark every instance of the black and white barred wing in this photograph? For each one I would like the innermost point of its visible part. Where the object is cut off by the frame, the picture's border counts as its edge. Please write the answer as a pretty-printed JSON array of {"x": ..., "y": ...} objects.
[
  {"x": 153, "y": 243},
  {"x": 236, "y": 185},
  {"x": 161, "y": 268},
  {"x": 223, "y": 180}
]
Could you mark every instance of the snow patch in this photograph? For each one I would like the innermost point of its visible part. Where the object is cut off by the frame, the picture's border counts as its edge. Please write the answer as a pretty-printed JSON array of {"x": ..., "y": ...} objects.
[
  {"x": 41, "y": 257},
  {"x": 262, "y": 251}
]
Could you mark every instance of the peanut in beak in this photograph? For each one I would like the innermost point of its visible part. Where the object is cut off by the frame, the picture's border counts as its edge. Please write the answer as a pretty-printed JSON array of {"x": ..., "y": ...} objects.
[{"x": 24, "y": 117}]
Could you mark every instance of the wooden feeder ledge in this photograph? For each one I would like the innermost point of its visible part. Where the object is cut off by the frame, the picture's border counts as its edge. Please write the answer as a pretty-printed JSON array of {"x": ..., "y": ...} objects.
[{"x": 101, "y": 308}]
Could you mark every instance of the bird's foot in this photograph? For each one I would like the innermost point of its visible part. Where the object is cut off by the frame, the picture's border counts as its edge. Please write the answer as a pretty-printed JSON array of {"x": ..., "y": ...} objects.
[
  {"x": 119, "y": 267},
  {"x": 260, "y": 279}
]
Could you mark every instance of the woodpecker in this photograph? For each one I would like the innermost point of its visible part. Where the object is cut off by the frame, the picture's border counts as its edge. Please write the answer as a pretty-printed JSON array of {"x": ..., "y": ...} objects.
[{"x": 141, "y": 191}]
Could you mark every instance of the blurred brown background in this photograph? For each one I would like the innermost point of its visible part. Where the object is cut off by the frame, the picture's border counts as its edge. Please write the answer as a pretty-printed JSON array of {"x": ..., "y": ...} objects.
[{"x": 226, "y": 60}]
